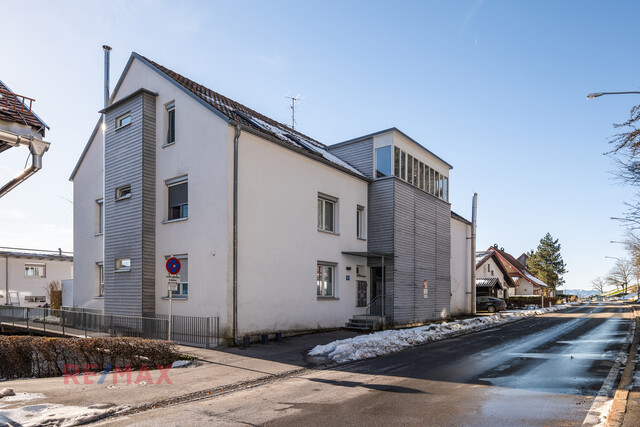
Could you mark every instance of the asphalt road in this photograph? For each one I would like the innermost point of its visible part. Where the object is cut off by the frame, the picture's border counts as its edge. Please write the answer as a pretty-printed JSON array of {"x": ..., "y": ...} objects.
[{"x": 542, "y": 371}]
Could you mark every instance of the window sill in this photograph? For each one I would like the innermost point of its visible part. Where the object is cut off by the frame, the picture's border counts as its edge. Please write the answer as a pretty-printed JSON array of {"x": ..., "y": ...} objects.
[
  {"x": 328, "y": 298},
  {"x": 175, "y": 298},
  {"x": 99, "y": 297},
  {"x": 169, "y": 144},
  {"x": 122, "y": 271},
  {"x": 328, "y": 232},
  {"x": 98, "y": 234},
  {"x": 361, "y": 238},
  {"x": 128, "y": 196},
  {"x": 122, "y": 126},
  {"x": 169, "y": 221}
]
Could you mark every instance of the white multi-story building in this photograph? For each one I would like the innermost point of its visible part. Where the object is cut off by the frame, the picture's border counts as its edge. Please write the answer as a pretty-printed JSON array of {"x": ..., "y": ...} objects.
[{"x": 274, "y": 230}]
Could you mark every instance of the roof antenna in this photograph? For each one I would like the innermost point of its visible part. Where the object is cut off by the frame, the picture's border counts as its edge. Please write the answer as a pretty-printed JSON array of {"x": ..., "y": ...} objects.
[{"x": 293, "y": 108}]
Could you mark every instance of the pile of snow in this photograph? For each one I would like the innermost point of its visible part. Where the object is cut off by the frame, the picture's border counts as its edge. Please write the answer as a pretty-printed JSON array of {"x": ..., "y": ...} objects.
[
  {"x": 53, "y": 414},
  {"x": 392, "y": 341}
]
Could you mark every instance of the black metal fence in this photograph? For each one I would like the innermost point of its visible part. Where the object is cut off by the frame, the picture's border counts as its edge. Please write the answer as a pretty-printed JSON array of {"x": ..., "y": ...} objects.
[{"x": 188, "y": 330}]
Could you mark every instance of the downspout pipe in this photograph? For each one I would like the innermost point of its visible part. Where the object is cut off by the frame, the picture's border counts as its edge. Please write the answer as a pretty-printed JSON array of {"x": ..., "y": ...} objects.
[
  {"x": 235, "y": 234},
  {"x": 6, "y": 279},
  {"x": 474, "y": 223},
  {"x": 37, "y": 147},
  {"x": 107, "y": 53}
]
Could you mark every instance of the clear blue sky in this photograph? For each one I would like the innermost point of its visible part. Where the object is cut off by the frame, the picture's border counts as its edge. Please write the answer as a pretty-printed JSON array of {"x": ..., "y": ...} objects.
[{"x": 496, "y": 88}]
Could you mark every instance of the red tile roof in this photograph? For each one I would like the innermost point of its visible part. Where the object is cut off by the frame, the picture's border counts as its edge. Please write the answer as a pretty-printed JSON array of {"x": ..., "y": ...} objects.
[{"x": 12, "y": 115}]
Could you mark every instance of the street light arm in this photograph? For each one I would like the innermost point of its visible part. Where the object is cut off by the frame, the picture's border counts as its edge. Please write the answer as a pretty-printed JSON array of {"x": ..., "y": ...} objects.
[{"x": 597, "y": 94}]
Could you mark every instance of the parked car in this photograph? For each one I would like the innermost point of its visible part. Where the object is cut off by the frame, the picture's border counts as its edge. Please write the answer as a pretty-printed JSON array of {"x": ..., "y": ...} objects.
[{"x": 490, "y": 304}]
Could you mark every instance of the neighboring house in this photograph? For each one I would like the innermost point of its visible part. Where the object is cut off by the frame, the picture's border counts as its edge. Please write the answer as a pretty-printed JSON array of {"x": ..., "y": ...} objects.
[
  {"x": 322, "y": 233},
  {"x": 492, "y": 279},
  {"x": 525, "y": 282},
  {"x": 20, "y": 126},
  {"x": 26, "y": 273}
]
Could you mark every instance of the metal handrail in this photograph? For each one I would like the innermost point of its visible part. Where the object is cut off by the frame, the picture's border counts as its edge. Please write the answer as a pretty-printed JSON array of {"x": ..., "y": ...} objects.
[{"x": 368, "y": 307}]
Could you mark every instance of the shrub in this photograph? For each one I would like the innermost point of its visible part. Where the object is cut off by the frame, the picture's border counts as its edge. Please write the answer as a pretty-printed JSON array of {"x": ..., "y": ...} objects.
[
  {"x": 27, "y": 357},
  {"x": 54, "y": 293}
]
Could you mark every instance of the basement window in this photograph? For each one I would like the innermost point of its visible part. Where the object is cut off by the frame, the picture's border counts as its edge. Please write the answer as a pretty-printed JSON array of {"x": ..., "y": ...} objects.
[{"x": 123, "y": 120}]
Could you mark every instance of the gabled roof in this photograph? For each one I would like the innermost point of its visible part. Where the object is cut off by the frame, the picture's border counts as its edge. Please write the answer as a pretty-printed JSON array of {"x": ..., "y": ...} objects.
[
  {"x": 233, "y": 111},
  {"x": 521, "y": 270},
  {"x": 239, "y": 113},
  {"x": 29, "y": 118},
  {"x": 484, "y": 256}
]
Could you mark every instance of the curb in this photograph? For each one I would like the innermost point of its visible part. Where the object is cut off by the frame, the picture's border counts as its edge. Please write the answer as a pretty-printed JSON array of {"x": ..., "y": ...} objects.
[{"x": 621, "y": 398}]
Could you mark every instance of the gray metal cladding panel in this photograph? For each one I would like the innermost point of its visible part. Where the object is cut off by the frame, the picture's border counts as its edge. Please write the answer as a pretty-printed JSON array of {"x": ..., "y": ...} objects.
[
  {"x": 148, "y": 203},
  {"x": 128, "y": 222},
  {"x": 359, "y": 155},
  {"x": 380, "y": 216},
  {"x": 422, "y": 249}
]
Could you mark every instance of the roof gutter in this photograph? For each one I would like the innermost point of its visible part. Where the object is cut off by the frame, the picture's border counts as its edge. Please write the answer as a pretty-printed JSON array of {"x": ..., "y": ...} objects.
[{"x": 37, "y": 147}]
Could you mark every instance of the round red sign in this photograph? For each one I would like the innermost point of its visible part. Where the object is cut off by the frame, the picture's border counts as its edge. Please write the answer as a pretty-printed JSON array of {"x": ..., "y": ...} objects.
[{"x": 173, "y": 265}]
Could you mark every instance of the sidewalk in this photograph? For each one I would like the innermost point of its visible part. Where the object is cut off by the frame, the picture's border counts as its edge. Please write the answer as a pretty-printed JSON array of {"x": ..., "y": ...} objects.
[
  {"x": 215, "y": 368},
  {"x": 630, "y": 384}
]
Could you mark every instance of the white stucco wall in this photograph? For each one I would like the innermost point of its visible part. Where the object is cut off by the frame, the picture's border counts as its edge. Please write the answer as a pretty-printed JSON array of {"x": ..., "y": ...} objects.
[
  {"x": 488, "y": 270},
  {"x": 199, "y": 152},
  {"x": 460, "y": 267},
  {"x": 280, "y": 245},
  {"x": 524, "y": 287},
  {"x": 30, "y": 286},
  {"x": 88, "y": 187}
]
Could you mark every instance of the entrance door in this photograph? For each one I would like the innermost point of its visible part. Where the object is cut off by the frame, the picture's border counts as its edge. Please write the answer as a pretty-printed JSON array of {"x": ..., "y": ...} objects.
[{"x": 376, "y": 291}]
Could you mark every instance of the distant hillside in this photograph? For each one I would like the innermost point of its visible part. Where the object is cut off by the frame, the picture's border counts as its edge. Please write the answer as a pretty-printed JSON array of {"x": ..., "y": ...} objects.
[{"x": 581, "y": 293}]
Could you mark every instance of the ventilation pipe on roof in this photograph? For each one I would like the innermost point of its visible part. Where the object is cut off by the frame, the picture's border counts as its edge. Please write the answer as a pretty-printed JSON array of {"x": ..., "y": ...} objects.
[
  {"x": 107, "y": 51},
  {"x": 37, "y": 147}
]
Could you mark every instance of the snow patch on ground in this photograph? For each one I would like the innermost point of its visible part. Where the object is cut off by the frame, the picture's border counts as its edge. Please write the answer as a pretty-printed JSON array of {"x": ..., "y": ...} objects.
[
  {"x": 51, "y": 414},
  {"x": 392, "y": 341}
]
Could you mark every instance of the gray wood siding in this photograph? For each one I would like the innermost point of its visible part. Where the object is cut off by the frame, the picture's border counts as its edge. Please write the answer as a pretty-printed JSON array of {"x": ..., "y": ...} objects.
[
  {"x": 422, "y": 248},
  {"x": 380, "y": 233},
  {"x": 129, "y": 224},
  {"x": 359, "y": 155}
]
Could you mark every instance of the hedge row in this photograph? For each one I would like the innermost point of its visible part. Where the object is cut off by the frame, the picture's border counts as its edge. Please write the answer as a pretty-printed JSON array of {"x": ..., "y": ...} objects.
[
  {"x": 28, "y": 357},
  {"x": 524, "y": 301}
]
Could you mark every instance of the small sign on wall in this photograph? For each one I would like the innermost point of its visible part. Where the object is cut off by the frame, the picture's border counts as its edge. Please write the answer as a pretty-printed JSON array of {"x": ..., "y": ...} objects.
[{"x": 425, "y": 289}]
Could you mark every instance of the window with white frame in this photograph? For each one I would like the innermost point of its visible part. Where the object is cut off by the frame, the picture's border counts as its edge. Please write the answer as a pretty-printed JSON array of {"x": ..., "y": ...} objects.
[
  {"x": 100, "y": 279},
  {"x": 122, "y": 264},
  {"x": 99, "y": 216},
  {"x": 383, "y": 161},
  {"x": 35, "y": 270},
  {"x": 171, "y": 122},
  {"x": 178, "y": 198},
  {"x": 183, "y": 284},
  {"x": 325, "y": 278},
  {"x": 123, "y": 120},
  {"x": 33, "y": 298},
  {"x": 327, "y": 214},
  {"x": 360, "y": 233},
  {"x": 123, "y": 192}
]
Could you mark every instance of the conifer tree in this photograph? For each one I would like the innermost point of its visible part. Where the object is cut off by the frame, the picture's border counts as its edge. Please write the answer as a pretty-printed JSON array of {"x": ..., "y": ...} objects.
[{"x": 546, "y": 262}]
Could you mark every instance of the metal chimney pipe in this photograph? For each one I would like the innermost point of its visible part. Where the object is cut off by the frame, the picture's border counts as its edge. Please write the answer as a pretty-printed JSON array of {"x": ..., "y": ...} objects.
[{"x": 107, "y": 50}]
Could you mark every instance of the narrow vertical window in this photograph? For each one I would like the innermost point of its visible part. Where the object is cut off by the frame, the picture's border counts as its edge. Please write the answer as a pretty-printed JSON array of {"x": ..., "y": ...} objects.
[
  {"x": 360, "y": 222},
  {"x": 432, "y": 181},
  {"x": 99, "y": 279},
  {"x": 383, "y": 161},
  {"x": 446, "y": 188},
  {"x": 416, "y": 169},
  {"x": 410, "y": 169},
  {"x": 99, "y": 216},
  {"x": 171, "y": 123},
  {"x": 396, "y": 162},
  {"x": 403, "y": 165},
  {"x": 421, "y": 176},
  {"x": 437, "y": 185}
]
